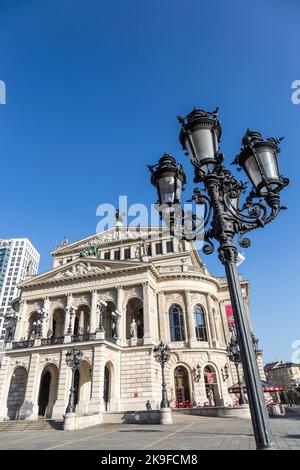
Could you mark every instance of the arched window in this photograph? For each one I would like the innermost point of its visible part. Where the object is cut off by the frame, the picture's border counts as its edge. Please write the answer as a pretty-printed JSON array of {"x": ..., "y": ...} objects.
[
  {"x": 176, "y": 323},
  {"x": 200, "y": 326}
]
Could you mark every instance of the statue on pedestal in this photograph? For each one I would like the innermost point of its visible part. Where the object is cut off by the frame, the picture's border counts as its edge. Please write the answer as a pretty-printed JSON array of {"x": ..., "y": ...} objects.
[{"x": 133, "y": 329}]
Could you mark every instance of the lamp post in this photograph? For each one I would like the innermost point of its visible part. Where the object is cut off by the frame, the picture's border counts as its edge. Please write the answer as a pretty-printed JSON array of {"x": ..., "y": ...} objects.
[
  {"x": 38, "y": 324},
  {"x": 71, "y": 309},
  {"x": 235, "y": 357},
  {"x": 196, "y": 373},
  {"x": 224, "y": 372},
  {"x": 11, "y": 320},
  {"x": 225, "y": 217},
  {"x": 101, "y": 304},
  {"x": 161, "y": 354},
  {"x": 74, "y": 358}
]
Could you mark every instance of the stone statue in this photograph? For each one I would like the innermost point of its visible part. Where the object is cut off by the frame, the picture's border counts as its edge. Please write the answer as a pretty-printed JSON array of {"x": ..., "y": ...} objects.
[
  {"x": 29, "y": 269},
  {"x": 210, "y": 396},
  {"x": 133, "y": 329}
]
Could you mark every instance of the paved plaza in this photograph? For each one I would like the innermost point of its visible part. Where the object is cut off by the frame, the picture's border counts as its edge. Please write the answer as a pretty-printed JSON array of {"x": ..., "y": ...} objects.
[{"x": 186, "y": 433}]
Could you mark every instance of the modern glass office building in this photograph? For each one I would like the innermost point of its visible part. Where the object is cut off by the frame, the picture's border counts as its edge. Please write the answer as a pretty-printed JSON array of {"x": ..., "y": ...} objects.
[{"x": 18, "y": 258}]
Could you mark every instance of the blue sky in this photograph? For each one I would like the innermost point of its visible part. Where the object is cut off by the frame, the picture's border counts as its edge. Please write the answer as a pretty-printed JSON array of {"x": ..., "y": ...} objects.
[{"x": 93, "y": 90}]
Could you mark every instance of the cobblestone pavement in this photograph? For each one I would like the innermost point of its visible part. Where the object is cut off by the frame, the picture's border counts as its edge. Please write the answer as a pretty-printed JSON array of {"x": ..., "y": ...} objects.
[{"x": 186, "y": 433}]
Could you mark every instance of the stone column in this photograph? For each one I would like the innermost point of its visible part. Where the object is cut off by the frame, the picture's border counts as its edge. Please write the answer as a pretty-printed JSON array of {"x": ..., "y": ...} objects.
[
  {"x": 191, "y": 333},
  {"x": 223, "y": 325},
  {"x": 224, "y": 322},
  {"x": 4, "y": 386},
  {"x": 147, "y": 314},
  {"x": 214, "y": 340},
  {"x": 81, "y": 322},
  {"x": 96, "y": 403},
  {"x": 161, "y": 317},
  {"x": 45, "y": 325},
  {"x": 63, "y": 389},
  {"x": 29, "y": 409},
  {"x": 22, "y": 325},
  {"x": 93, "y": 315},
  {"x": 122, "y": 320}
]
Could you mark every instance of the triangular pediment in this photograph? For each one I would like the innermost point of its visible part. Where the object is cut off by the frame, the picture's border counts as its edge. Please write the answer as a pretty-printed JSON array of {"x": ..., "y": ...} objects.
[{"x": 79, "y": 268}]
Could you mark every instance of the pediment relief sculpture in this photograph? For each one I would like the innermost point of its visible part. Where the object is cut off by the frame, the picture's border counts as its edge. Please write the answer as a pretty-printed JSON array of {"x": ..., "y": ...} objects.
[{"x": 81, "y": 269}]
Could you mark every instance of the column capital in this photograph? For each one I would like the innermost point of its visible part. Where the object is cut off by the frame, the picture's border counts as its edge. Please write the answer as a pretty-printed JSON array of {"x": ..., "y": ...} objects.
[{"x": 187, "y": 292}]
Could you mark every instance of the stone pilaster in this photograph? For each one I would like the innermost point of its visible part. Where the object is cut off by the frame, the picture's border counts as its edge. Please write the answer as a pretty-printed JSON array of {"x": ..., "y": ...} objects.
[
  {"x": 29, "y": 409},
  {"x": 161, "y": 317},
  {"x": 96, "y": 403},
  {"x": 45, "y": 324},
  {"x": 93, "y": 316},
  {"x": 147, "y": 314},
  {"x": 4, "y": 385},
  {"x": 191, "y": 333},
  {"x": 67, "y": 320},
  {"x": 63, "y": 390},
  {"x": 122, "y": 320},
  {"x": 214, "y": 339},
  {"x": 22, "y": 325}
]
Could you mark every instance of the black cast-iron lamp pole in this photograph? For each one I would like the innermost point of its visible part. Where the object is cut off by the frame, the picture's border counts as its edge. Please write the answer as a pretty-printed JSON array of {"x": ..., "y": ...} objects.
[
  {"x": 225, "y": 217},
  {"x": 161, "y": 354},
  {"x": 74, "y": 359}
]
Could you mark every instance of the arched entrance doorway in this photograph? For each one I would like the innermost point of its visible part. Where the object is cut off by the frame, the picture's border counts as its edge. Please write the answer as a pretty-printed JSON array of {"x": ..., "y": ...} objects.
[
  {"x": 16, "y": 393},
  {"x": 106, "y": 389},
  {"x": 48, "y": 391},
  {"x": 211, "y": 386},
  {"x": 182, "y": 386},
  {"x": 44, "y": 393}
]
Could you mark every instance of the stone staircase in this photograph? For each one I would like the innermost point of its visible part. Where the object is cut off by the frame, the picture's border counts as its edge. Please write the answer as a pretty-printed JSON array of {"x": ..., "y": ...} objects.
[{"x": 37, "y": 425}]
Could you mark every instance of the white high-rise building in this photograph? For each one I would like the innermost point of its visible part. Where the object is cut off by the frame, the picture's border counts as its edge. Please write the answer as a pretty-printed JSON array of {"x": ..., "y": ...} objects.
[{"x": 18, "y": 257}]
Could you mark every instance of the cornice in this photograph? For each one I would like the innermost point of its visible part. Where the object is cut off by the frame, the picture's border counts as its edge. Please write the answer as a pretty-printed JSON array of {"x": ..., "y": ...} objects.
[{"x": 108, "y": 274}]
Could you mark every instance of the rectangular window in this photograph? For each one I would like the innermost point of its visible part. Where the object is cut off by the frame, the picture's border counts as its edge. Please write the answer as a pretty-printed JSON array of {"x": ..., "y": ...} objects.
[
  {"x": 149, "y": 250},
  {"x": 107, "y": 255},
  {"x": 127, "y": 253},
  {"x": 170, "y": 247},
  {"x": 158, "y": 248},
  {"x": 117, "y": 254}
]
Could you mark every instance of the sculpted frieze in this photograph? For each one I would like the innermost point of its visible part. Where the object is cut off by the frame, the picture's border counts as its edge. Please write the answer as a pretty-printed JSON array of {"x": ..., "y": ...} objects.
[{"x": 81, "y": 269}]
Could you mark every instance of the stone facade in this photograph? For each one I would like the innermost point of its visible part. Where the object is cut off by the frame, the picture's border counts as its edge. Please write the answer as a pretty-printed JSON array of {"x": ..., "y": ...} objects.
[{"x": 149, "y": 277}]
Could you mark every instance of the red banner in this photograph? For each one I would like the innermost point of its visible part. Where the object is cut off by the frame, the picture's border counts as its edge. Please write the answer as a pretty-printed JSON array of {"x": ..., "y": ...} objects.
[{"x": 229, "y": 313}]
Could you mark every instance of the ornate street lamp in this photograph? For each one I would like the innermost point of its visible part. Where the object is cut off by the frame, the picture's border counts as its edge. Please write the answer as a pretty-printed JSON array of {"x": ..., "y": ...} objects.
[
  {"x": 225, "y": 217},
  {"x": 169, "y": 178},
  {"x": 74, "y": 358},
  {"x": 258, "y": 158},
  {"x": 101, "y": 305},
  {"x": 38, "y": 324},
  {"x": 235, "y": 357},
  {"x": 161, "y": 354},
  {"x": 224, "y": 372},
  {"x": 11, "y": 320},
  {"x": 196, "y": 373},
  {"x": 71, "y": 309},
  {"x": 255, "y": 343}
]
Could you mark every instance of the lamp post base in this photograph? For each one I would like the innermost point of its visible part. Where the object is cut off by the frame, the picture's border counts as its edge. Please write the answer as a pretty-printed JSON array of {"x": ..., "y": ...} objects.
[{"x": 165, "y": 416}]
